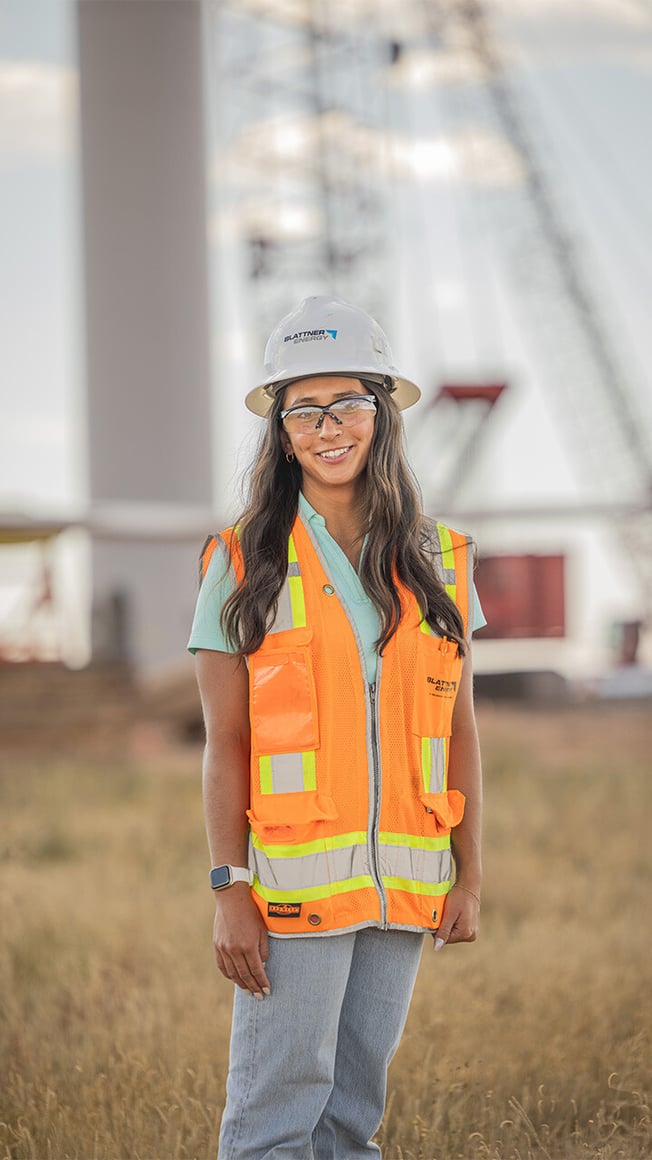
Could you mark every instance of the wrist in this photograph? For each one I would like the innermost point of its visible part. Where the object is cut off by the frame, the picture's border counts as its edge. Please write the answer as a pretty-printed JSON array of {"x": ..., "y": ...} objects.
[
  {"x": 232, "y": 895},
  {"x": 468, "y": 873},
  {"x": 474, "y": 893}
]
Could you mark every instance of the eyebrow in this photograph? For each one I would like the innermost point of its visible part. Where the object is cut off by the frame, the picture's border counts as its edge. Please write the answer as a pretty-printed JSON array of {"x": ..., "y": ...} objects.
[{"x": 338, "y": 395}]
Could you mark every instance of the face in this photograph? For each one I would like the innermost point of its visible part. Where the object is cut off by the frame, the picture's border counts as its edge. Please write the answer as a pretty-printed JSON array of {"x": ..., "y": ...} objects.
[{"x": 331, "y": 454}]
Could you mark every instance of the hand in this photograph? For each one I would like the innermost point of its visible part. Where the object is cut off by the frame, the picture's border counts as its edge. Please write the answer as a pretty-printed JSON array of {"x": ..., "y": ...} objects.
[
  {"x": 240, "y": 940},
  {"x": 461, "y": 918}
]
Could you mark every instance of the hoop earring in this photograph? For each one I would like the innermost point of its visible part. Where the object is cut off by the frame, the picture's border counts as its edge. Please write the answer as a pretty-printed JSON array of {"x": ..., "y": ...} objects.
[{"x": 289, "y": 455}]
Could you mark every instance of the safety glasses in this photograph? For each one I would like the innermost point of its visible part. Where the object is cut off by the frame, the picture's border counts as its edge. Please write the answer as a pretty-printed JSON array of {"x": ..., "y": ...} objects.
[{"x": 306, "y": 417}]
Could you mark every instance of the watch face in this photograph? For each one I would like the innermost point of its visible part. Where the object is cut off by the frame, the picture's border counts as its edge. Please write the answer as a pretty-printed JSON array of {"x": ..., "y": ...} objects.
[{"x": 220, "y": 876}]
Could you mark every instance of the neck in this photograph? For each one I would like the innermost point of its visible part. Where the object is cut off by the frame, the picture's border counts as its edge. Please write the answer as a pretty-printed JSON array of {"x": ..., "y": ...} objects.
[{"x": 343, "y": 511}]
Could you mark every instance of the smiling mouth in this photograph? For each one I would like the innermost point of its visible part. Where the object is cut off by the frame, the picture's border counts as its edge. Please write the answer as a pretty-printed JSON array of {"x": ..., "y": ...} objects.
[{"x": 335, "y": 454}]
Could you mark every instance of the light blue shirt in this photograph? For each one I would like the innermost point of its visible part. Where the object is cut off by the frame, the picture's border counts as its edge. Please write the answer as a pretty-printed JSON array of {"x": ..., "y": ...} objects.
[{"x": 218, "y": 585}]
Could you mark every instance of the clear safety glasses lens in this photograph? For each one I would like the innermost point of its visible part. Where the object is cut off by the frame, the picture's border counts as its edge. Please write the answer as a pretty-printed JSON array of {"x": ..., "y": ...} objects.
[{"x": 345, "y": 412}]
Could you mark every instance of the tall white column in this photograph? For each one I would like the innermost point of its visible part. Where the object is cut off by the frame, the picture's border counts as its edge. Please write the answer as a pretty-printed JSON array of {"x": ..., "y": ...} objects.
[{"x": 147, "y": 316}]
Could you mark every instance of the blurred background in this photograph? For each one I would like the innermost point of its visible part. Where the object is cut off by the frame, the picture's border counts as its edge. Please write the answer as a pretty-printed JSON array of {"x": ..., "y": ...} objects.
[{"x": 177, "y": 175}]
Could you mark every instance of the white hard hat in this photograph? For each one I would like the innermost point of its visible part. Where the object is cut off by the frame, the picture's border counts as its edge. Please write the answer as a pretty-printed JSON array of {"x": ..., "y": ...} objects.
[{"x": 328, "y": 336}]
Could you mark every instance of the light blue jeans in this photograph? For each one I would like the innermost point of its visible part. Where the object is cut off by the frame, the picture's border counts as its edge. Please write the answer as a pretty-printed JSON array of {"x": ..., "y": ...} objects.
[{"x": 308, "y": 1069}]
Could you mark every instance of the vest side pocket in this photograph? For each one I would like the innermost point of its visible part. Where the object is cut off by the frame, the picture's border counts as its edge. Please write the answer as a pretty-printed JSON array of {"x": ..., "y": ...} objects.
[
  {"x": 444, "y": 810},
  {"x": 437, "y": 679},
  {"x": 290, "y": 818},
  {"x": 282, "y": 695}
]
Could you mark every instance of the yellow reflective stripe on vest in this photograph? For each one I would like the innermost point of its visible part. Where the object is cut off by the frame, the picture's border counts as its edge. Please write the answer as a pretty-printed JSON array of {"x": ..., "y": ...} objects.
[
  {"x": 291, "y": 608},
  {"x": 300, "y": 849},
  {"x": 311, "y": 893},
  {"x": 295, "y": 586},
  {"x": 447, "y": 560},
  {"x": 434, "y": 888},
  {"x": 414, "y": 841},
  {"x": 433, "y": 764},
  {"x": 354, "y": 838}
]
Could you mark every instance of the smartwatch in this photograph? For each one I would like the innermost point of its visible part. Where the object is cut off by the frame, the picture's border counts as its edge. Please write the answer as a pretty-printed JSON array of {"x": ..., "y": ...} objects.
[{"x": 223, "y": 876}]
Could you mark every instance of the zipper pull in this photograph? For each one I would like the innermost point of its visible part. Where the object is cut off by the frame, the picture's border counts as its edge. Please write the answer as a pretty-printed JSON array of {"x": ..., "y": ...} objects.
[{"x": 372, "y": 693}]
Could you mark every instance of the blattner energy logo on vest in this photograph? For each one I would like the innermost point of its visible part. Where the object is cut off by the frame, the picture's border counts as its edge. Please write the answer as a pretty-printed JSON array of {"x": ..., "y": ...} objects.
[
  {"x": 311, "y": 336},
  {"x": 438, "y": 687}
]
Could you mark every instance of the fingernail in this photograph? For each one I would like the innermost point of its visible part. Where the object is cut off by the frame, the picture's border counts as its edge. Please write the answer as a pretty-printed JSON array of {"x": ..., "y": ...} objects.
[
  {"x": 439, "y": 943},
  {"x": 256, "y": 994},
  {"x": 266, "y": 991}
]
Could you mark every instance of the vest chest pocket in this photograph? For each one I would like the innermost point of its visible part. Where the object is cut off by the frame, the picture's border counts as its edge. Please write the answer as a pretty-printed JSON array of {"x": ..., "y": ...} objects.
[
  {"x": 437, "y": 680},
  {"x": 282, "y": 697}
]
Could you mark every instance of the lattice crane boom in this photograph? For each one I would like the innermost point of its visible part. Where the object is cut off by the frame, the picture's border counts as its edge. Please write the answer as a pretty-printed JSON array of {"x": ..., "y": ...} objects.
[{"x": 609, "y": 433}]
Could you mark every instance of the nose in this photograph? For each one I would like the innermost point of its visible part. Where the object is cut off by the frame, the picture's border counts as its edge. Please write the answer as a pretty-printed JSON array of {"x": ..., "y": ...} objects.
[{"x": 328, "y": 415}]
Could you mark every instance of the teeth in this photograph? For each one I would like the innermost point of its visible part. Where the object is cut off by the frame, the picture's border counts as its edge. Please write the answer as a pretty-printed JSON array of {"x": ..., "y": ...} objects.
[{"x": 333, "y": 454}]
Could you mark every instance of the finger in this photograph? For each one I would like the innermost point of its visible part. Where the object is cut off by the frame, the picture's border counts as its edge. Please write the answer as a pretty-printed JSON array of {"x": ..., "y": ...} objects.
[
  {"x": 443, "y": 935},
  {"x": 464, "y": 928},
  {"x": 462, "y": 934},
  {"x": 251, "y": 974},
  {"x": 231, "y": 971},
  {"x": 263, "y": 948},
  {"x": 227, "y": 967}
]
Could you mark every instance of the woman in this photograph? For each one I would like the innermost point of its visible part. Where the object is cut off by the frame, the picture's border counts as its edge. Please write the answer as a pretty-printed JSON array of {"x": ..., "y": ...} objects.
[{"x": 341, "y": 762}]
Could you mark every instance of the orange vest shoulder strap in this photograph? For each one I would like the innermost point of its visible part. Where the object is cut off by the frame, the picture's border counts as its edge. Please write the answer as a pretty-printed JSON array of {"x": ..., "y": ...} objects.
[
  {"x": 231, "y": 539},
  {"x": 458, "y": 560},
  {"x": 205, "y": 556}
]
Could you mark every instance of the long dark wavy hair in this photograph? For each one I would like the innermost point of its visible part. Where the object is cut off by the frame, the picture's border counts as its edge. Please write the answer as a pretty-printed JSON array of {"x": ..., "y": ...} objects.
[{"x": 401, "y": 543}]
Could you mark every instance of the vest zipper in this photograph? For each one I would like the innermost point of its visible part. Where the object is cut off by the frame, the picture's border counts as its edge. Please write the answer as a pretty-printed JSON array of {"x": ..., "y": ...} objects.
[
  {"x": 373, "y": 825},
  {"x": 373, "y": 839}
]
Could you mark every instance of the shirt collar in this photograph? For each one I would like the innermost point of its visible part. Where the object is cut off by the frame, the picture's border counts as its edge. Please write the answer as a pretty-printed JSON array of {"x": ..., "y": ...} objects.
[{"x": 308, "y": 510}]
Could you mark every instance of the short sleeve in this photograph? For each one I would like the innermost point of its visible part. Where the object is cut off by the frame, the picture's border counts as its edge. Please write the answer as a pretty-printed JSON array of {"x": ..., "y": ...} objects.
[
  {"x": 478, "y": 619},
  {"x": 217, "y": 586}
]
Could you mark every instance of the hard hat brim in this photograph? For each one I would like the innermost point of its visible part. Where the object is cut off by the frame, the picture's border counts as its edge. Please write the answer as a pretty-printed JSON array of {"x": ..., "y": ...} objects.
[{"x": 404, "y": 393}]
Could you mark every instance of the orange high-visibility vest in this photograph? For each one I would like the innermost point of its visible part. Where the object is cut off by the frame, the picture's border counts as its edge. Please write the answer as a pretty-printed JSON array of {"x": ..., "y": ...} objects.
[{"x": 350, "y": 815}]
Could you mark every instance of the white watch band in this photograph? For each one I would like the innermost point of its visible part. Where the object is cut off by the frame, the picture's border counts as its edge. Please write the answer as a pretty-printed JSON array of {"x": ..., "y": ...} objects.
[{"x": 221, "y": 877}]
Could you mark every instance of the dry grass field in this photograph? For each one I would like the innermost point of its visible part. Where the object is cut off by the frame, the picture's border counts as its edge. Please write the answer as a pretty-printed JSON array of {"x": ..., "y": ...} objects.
[{"x": 534, "y": 1043}]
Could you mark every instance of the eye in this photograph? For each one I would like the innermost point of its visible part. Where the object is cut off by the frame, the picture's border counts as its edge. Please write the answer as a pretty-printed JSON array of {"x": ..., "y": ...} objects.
[
  {"x": 303, "y": 414},
  {"x": 348, "y": 406}
]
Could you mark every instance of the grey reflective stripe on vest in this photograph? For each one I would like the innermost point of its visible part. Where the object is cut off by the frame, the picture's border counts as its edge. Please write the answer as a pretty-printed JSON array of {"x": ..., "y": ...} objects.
[
  {"x": 437, "y": 782},
  {"x": 287, "y": 772},
  {"x": 304, "y": 871},
  {"x": 284, "y": 618},
  {"x": 308, "y": 870},
  {"x": 415, "y": 865}
]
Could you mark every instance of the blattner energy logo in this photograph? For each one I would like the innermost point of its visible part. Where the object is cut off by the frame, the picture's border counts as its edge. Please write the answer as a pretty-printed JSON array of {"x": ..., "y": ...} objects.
[{"x": 311, "y": 336}]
